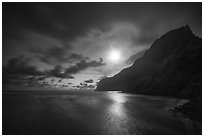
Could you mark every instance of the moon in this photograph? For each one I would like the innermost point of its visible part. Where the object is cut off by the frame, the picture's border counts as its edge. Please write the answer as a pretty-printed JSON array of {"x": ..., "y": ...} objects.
[{"x": 114, "y": 56}]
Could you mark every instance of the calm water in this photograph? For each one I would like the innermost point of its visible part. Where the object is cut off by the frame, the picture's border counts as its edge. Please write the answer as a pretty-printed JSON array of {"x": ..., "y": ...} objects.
[{"x": 57, "y": 112}]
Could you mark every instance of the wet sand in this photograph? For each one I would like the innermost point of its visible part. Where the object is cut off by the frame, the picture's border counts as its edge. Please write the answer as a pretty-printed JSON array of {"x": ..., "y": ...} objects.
[{"x": 84, "y": 113}]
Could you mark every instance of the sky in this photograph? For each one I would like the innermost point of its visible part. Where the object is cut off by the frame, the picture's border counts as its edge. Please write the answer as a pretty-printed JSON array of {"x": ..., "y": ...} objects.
[{"x": 70, "y": 45}]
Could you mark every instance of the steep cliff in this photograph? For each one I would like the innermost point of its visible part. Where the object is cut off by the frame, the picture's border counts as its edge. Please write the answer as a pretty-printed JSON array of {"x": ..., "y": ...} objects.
[{"x": 171, "y": 66}]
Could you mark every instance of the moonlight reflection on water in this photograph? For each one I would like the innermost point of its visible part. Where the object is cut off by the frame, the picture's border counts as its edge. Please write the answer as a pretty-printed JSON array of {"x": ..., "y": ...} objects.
[
  {"x": 118, "y": 114},
  {"x": 88, "y": 113},
  {"x": 117, "y": 107}
]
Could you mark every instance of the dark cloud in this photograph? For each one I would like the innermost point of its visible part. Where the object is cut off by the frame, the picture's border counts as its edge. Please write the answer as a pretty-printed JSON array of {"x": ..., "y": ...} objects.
[
  {"x": 55, "y": 19},
  {"x": 61, "y": 72},
  {"x": 54, "y": 54},
  {"x": 65, "y": 19},
  {"x": 52, "y": 80},
  {"x": 18, "y": 80},
  {"x": 77, "y": 86},
  {"x": 57, "y": 55},
  {"x": 89, "y": 81},
  {"x": 58, "y": 72},
  {"x": 60, "y": 80},
  {"x": 85, "y": 86},
  {"x": 41, "y": 78},
  {"x": 19, "y": 70},
  {"x": 20, "y": 65},
  {"x": 84, "y": 64},
  {"x": 134, "y": 57}
]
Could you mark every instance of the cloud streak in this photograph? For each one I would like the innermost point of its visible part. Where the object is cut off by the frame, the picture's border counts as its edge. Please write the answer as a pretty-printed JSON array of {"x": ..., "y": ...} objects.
[
  {"x": 19, "y": 69},
  {"x": 84, "y": 64},
  {"x": 20, "y": 65}
]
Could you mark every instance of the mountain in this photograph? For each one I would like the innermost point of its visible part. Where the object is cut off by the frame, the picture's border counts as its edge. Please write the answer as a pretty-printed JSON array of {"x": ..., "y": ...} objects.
[{"x": 172, "y": 66}]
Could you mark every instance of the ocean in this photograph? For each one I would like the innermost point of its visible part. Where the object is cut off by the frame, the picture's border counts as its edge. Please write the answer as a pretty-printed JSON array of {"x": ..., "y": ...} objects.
[{"x": 90, "y": 113}]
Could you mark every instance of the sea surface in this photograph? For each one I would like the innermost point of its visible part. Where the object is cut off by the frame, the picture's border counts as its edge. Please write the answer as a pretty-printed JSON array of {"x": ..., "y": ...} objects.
[{"x": 95, "y": 113}]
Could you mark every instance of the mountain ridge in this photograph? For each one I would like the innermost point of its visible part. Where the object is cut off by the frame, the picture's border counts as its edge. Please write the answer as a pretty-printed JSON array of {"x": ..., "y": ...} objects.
[{"x": 171, "y": 65}]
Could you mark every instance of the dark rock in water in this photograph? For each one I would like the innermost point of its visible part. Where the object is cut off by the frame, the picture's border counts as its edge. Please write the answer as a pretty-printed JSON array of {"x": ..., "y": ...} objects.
[
  {"x": 170, "y": 67},
  {"x": 191, "y": 109}
]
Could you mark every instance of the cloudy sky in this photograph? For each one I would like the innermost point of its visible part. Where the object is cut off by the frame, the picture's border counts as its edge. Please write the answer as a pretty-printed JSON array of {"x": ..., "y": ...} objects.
[{"x": 69, "y": 45}]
